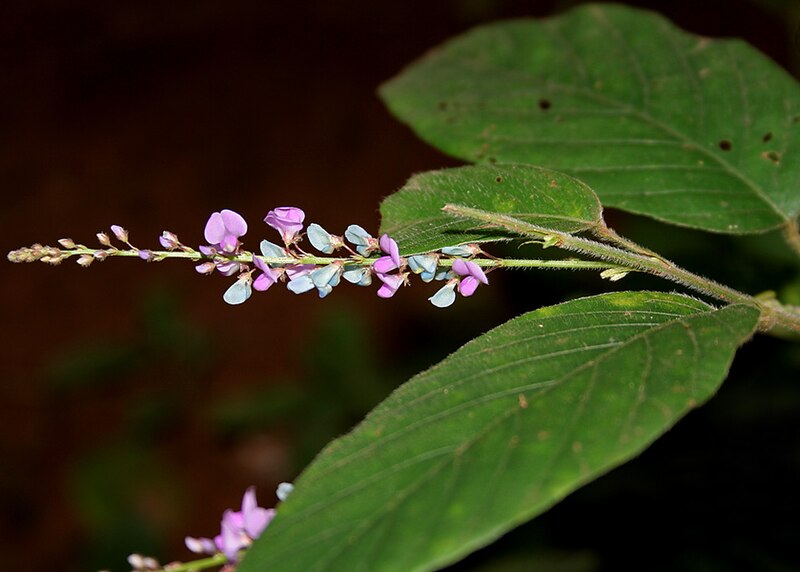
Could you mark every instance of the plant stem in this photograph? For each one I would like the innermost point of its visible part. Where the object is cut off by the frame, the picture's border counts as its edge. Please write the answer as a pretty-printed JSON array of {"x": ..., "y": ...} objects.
[
  {"x": 775, "y": 318},
  {"x": 201, "y": 564},
  {"x": 246, "y": 257}
]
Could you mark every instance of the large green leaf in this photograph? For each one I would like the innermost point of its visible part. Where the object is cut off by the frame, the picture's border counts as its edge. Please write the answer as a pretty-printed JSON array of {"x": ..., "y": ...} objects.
[
  {"x": 688, "y": 130},
  {"x": 413, "y": 215},
  {"x": 501, "y": 430}
]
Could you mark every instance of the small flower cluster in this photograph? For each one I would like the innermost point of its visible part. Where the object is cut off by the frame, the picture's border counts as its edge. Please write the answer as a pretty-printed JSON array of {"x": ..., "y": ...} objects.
[
  {"x": 366, "y": 257},
  {"x": 304, "y": 272},
  {"x": 238, "y": 530}
]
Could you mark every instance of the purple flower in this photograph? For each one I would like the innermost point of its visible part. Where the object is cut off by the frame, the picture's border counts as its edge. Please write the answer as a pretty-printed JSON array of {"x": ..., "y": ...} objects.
[
  {"x": 364, "y": 242},
  {"x": 268, "y": 277},
  {"x": 223, "y": 230},
  {"x": 391, "y": 282},
  {"x": 286, "y": 220},
  {"x": 473, "y": 275},
  {"x": 389, "y": 246},
  {"x": 238, "y": 529},
  {"x": 169, "y": 240}
]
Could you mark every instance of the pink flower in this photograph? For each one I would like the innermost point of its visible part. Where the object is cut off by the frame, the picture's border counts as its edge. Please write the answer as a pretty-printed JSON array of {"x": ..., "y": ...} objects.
[
  {"x": 223, "y": 230},
  {"x": 389, "y": 246},
  {"x": 238, "y": 529},
  {"x": 391, "y": 282},
  {"x": 286, "y": 220},
  {"x": 473, "y": 275},
  {"x": 268, "y": 277}
]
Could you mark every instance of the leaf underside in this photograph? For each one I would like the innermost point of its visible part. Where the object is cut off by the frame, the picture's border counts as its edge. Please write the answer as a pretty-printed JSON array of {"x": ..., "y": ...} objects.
[
  {"x": 413, "y": 215},
  {"x": 501, "y": 430},
  {"x": 685, "y": 129}
]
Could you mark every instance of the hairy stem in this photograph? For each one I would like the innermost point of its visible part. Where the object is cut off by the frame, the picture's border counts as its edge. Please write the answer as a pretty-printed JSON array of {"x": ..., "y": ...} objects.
[{"x": 775, "y": 318}]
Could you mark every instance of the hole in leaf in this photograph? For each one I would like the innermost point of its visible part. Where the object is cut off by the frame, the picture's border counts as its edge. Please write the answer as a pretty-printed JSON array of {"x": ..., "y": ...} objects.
[
  {"x": 544, "y": 104},
  {"x": 773, "y": 156},
  {"x": 498, "y": 179},
  {"x": 767, "y": 136},
  {"x": 725, "y": 145}
]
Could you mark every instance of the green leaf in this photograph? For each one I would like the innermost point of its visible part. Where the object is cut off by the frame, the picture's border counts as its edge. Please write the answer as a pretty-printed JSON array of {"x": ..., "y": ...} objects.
[
  {"x": 413, "y": 215},
  {"x": 685, "y": 129},
  {"x": 501, "y": 430}
]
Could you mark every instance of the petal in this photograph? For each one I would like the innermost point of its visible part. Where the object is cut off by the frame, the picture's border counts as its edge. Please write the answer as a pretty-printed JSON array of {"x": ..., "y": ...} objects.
[
  {"x": 391, "y": 282},
  {"x": 257, "y": 520},
  {"x": 423, "y": 263},
  {"x": 326, "y": 275},
  {"x": 200, "y": 545},
  {"x": 460, "y": 267},
  {"x": 297, "y": 270},
  {"x": 445, "y": 296},
  {"x": 228, "y": 268},
  {"x": 389, "y": 246},
  {"x": 234, "y": 223},
  {"x": 284, "y": 490},
  {"x": 357, "y": 235},
  {"x": 477, "y": 272},
  {"x": 229, "y": 243},
  {"x": 267, "y": 279},
  {"x": 238, "y": 292},
  {"x": 215, "y": 229},
  {"x": 360, "y": 275},
  {"x": 461, "y": 250},
  {"x": 271, "y": 250},
  {"x": 320, "y": 238},
  {"x": 208, "y": 250},
  {"x": 384, "y": 264},
  {"x": 468, "y": 285},
  {"x": 300, "y": 284}
]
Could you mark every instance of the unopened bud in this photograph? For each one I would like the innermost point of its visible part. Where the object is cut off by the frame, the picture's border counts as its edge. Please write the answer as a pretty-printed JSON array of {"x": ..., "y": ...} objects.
[
  {"x": 100, "y": 255},
  {"x": 67, "y": 243},
  {"x": 205, "y": 267},
  {"x": 85, "y": 260},
  {"x": 120, "y": 233},
  {"x": 103, "y": 239},
  {"x": 169, "y": 240}
]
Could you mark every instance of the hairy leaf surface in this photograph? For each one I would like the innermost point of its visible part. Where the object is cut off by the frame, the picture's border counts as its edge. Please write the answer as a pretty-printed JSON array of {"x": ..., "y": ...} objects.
[
  {"x": 689, "y": 130},
  {"x": 413, "y": 215},
  {"x": 501, "y": 430}
]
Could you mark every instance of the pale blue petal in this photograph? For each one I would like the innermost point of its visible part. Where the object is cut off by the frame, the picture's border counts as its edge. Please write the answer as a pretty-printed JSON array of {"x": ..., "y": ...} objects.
[
  {"x": 284, "y": 490},
  {"x": 427, "y": 276},
  {"x": 324, "y": 290},
  {"x": 445, "y": 296},
  {"x": 326, "y": 276},
  {"x": 300, "y": 284},
  {"x": 463, "y": 250},
  {"x": 359, "y": 275},
  {"x": 238, "y": 293},
  {"x": 357, "y": 235},
  {"x": 319, "y": 238},
  {"x": 420, "y": 263},
  {"x": 444, "y": 275},
  {"x": 271, "y": 250}
]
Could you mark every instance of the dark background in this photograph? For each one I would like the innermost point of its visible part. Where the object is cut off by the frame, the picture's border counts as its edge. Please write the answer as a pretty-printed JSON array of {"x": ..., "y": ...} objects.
[{"x": 135, "y": 406}]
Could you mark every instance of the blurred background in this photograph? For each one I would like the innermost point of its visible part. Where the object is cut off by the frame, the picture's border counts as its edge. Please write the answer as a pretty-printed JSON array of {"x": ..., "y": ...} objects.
[{"x": 135, "y": 406}]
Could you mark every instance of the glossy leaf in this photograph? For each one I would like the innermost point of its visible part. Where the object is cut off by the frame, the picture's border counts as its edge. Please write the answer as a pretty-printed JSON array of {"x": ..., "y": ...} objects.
[
  {"x": 501, "y": 430},
  {"x": 698, "y": 132},
  {"x": 413, "y": 215}
]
